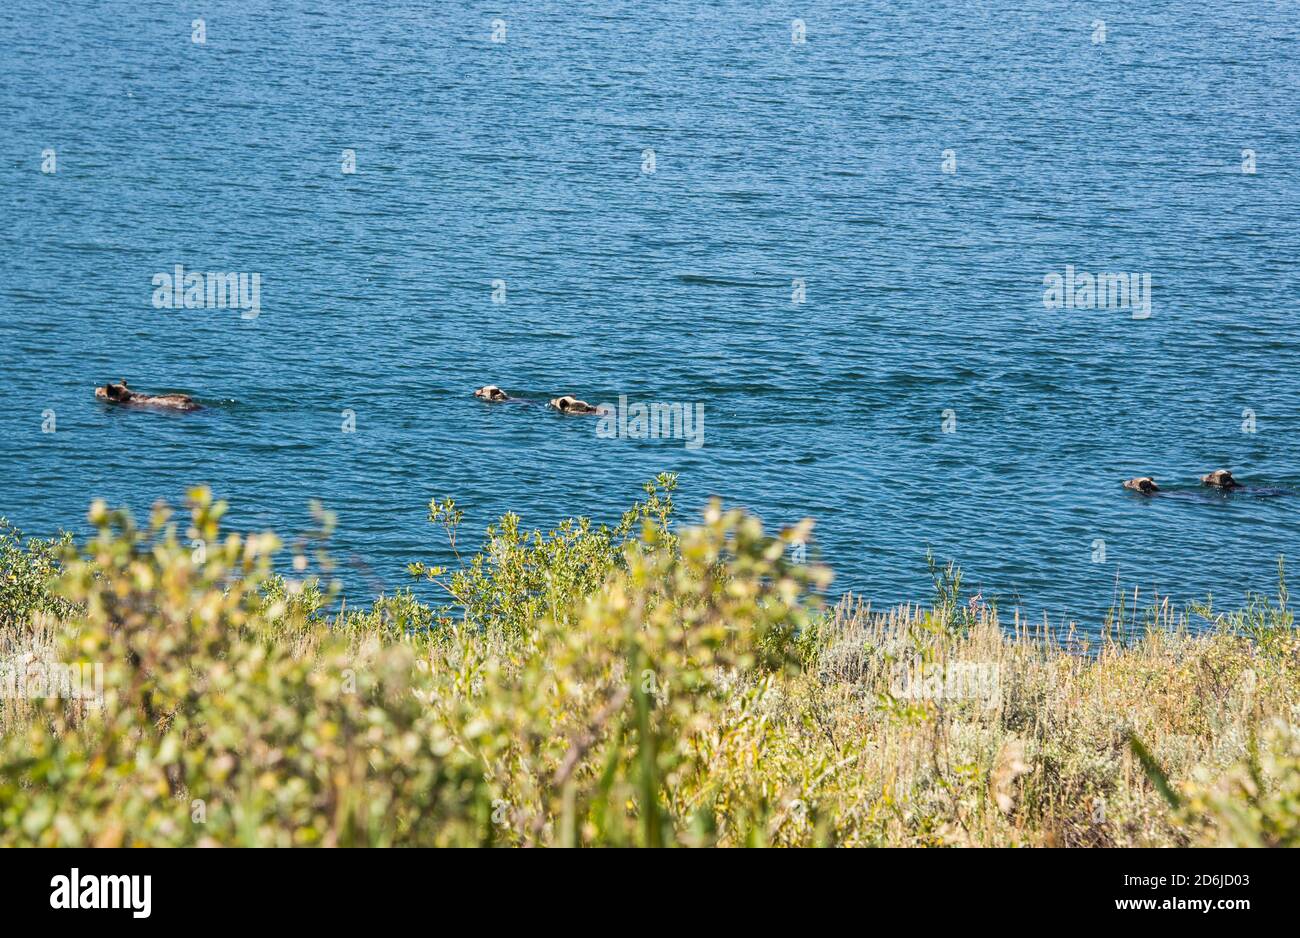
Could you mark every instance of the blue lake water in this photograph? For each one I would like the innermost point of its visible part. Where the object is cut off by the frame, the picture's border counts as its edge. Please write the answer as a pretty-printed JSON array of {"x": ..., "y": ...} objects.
[{"x": 523, "y": 161}]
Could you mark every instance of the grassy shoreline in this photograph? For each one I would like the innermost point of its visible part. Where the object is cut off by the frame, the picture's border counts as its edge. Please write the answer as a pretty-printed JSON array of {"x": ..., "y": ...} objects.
[{"x": 647, "y": 684}]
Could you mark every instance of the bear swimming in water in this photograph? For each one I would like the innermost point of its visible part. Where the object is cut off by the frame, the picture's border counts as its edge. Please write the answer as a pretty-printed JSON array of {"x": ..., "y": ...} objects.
[
  {"x": 1144, "y": 484},
  {"x": 120, "y": 394},
  {"x": 1221, "y": 478},
  {"x": 490, "y": 392},
  {"x": 571, "y": 405}
]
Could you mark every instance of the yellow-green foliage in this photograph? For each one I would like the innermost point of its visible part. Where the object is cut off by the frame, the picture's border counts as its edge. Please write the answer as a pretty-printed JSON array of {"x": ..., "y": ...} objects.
[
  {"x": 637, "y": 685},
  {"x": 212, "y": 731}
]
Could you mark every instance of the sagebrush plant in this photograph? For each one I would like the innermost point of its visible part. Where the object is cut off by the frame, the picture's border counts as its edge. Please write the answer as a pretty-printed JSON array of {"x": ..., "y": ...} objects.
[{"x": 644, "y": 684}]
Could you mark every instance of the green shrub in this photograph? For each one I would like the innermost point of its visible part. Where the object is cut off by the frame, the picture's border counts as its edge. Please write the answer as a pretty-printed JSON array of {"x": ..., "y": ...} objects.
[
  {"x": 215, "y": 729},
  {"x": 27, "y": 569}
]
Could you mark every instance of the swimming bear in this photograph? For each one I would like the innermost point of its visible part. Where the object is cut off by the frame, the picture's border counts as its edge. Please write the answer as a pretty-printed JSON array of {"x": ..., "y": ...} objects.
[
  {"x": 490, "y": 392},
  {"x": 1144, "y": 484},
  {"x": 120, "y": 394},
  {"x": 571, "y": 405},
  {"x": 1221, "y": 478}
]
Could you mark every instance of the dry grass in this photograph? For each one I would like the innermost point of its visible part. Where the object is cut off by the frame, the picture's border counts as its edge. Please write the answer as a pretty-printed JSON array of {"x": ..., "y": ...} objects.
[{"x": 1046, "y": 758}]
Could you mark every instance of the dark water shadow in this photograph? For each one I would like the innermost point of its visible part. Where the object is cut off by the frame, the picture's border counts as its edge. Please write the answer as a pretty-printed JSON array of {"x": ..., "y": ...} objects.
[{"x": 1208, "y": 494}]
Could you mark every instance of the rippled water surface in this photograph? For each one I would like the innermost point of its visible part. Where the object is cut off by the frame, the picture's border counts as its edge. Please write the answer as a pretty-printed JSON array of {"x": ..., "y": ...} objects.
[{"x": 521, "y": 161}]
